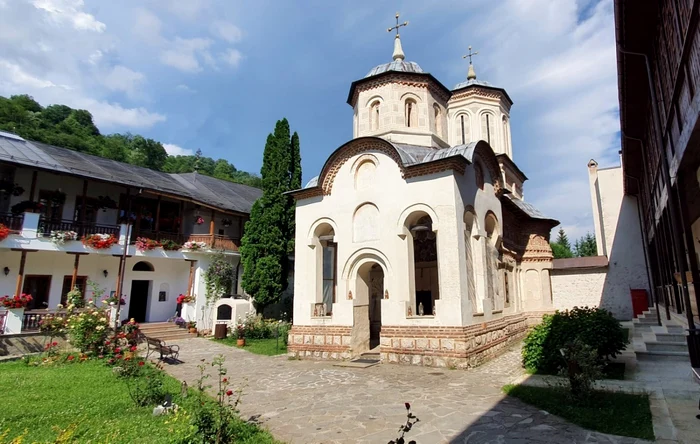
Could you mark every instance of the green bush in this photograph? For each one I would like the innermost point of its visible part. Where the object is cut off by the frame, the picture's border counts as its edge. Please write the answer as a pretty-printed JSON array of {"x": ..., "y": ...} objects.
[
  {"x": 255, "y": 327},
  {"x": 594, "y": 327}
]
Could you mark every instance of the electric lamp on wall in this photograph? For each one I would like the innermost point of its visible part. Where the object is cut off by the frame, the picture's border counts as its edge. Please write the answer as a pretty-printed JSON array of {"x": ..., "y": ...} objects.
[
  {"x": 6, "y": 270},
  {"x": 105, "y": 272}
]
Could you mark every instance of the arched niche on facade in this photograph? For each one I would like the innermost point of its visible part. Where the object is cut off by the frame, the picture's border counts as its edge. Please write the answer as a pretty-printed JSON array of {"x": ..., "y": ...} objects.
[
  {"x": 365, "y": 223},
  {"x": 143, "y": 266},
  {"x": 364, "y": 171},
  {"x": 471, "y": 230}
]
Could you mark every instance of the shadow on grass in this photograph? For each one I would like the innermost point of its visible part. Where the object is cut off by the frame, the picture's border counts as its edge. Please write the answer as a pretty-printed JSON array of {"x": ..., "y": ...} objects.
[{"x": 267, "y": 347}]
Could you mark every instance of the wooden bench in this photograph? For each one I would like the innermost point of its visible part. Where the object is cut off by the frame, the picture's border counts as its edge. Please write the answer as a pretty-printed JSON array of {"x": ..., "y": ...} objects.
[{"x": 159, "y": 346}]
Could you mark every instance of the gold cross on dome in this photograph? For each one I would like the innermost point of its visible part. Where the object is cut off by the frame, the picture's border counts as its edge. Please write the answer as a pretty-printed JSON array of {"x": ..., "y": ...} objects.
[
  {"x": 470, "y": 55},
  {"x": 397, "y": 26}
]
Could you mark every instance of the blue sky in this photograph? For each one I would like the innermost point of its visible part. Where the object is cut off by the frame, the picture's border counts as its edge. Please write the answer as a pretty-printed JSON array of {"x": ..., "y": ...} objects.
[{"x": 217, "y": 74}]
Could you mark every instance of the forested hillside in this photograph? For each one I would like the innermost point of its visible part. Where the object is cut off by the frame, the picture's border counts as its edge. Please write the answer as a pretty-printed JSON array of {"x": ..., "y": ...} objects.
[{"x": 66, "y": 127}]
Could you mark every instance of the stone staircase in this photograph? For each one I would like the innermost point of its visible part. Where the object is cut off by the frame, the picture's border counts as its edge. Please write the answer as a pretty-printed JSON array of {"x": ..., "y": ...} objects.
[
  {"x": 167, "y": 331},
  {"x": 666, "y": 342}
]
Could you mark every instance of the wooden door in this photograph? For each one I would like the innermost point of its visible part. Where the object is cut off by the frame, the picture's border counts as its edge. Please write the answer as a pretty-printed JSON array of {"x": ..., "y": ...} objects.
[{"x": 38, "y": 286}]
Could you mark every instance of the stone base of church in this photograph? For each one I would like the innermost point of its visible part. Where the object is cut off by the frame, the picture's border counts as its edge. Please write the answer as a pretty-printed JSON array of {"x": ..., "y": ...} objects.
[
  {"x": 453, "y": 347},
  {"x": 320, "y": 342},
  {"x": 431, "y": 346}
]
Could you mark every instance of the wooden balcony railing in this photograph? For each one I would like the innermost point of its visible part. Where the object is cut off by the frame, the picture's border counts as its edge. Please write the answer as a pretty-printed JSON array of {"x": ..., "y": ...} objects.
[
  {"x": 32, "y": 318},
  {"x": 83, "y": 229},
  {"x": 215, "y": 241},
  {"x": 12, "y": 221}
]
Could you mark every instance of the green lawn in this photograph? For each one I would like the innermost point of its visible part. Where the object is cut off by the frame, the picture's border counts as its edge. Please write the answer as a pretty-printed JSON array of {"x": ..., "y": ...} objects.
[
  {"x": 615, "y": 413},
  {"x": 45, "y": 400},
  {"x": 268, "y": 347}
]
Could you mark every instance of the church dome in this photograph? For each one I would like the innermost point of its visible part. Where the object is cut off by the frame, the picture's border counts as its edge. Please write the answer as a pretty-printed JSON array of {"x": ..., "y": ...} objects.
[
  {"x": 398, "y": 65},
  {"x": 471, "y": 82}
]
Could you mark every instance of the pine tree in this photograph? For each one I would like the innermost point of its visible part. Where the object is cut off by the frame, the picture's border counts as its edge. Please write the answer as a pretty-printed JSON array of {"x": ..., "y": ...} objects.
[
  {"x": 561, "y": 248},
  {"x": 269, "y": 233},
  {"x": 586, "y": 246}
]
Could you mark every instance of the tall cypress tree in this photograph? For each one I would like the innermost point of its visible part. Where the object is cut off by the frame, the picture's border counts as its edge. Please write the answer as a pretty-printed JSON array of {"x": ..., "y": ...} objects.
[{"x": 269, "y": 234}]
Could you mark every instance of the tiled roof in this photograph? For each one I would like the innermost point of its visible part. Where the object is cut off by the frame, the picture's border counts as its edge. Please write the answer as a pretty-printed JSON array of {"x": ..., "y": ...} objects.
[{"x": 207, "y": 190}]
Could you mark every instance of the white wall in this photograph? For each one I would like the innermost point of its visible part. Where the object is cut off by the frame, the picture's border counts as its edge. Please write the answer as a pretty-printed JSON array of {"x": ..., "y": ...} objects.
[
  {"x": 618, "y": 237},
  {"x": 171, "y": 274}
]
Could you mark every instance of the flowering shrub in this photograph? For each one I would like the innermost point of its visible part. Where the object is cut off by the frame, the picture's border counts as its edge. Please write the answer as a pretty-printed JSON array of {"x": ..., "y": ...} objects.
[
  {"x": 53, "y": 325},
  {"x": 184, "y": 299},
  {"x": 255, "y": 327},
  {"x": 99, "y": 241},
  {"x": 114, "y": 300},
  {"x": 88, "y": 329},
  {"x": 194, "y": 245},
  {"x": 26, "y": 205},
  {"x": 170, "y": 245},
  {"x": 146, "y": 244},
  {"x": 75, "y": 298},
  {"x": 218, "y": 278},
  {"x": 60, "y": 237},
  {"x": 20, "y": 301},
  {"x": 4, "y": 232},
  {"x": 145, "y": 382},
  {"x": 180, "y": 322}
]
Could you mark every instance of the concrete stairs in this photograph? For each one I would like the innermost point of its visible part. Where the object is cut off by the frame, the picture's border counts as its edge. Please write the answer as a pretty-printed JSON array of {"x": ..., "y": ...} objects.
[
  {"x": 167, "y": 331},
  {"x": 666, "y": 342}
]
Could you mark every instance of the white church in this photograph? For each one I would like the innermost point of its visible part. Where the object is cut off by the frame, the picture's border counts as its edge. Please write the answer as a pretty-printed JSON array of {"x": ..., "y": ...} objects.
[{"x": 414, "y": 242}]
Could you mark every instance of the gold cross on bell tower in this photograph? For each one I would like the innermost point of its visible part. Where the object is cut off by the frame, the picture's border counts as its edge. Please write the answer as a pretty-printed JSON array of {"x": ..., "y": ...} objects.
[
  {"x": 471, "y": 75},
  {"x": 397, "y": 26}
]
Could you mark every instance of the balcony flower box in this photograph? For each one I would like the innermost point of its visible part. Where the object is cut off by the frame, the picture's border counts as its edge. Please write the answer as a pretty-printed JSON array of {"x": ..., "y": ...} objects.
[
  {"x": 146, "y": 244},
  {"x": 170, "y": 245},
  {"x": 60, "y": 237},
  {"x": 4, "y": 232},
  {"x": 13, "y": 302},
  {"x": 194, "y": 246},
  {"x": 99, "y": 241}
]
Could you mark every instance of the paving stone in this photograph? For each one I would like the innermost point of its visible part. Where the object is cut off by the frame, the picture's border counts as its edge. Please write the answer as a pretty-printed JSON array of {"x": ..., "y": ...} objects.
[{"x": 305, "y": 401}]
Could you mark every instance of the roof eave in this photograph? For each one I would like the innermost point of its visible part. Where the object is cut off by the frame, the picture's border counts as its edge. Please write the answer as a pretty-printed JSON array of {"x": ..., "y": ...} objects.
[
  {"x": 354, "y": 84},
  {"x": 494, "y": 88}
]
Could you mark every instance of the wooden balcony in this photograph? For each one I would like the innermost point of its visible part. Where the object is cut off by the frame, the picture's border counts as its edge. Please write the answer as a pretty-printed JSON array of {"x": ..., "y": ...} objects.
[
  {"x": 214, "y": 241},
  {"x": 83, "y": 229},
  {"x": 12, "y": 221}
]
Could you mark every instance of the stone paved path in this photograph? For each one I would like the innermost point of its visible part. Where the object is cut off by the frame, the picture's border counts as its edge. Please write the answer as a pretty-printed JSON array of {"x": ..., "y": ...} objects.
[{"x": 315, "y": 402}]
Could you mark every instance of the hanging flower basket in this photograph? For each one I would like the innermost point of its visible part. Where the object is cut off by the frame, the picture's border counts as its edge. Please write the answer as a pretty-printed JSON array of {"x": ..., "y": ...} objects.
[
  {"x": 60, "y": 237},
  {"x": 100, "y": 241},
  {"x": 185, "y": 299},
  {"x": 199, "y": 220},
  {"x": 4, "y": 232},
  {"x": 11, "y": 302},
  {"x": 194, "y": 246},
  {"x": 146, "y": 244}
]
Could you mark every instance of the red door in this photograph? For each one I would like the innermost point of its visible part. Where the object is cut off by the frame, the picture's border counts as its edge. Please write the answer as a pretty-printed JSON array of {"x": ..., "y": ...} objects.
[{"x": 640, "y": 301}]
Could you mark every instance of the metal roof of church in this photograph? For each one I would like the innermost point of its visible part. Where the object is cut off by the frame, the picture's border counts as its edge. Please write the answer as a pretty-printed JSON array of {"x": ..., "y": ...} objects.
[
  {"x": 528, "y": 208},
  {"x": 197, "y": 187},
  {"x": 398, "y": 65},
  {"x": 471, "y": 82}
]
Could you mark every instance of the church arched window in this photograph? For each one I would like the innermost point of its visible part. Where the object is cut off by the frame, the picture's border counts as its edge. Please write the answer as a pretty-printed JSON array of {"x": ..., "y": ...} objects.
[
  {"x": 438, "y": 119},
  {"x": 327, "y": 259},
  {"x": 461, "y": 121},
  {"x": 374, "y": 116},
  {"x": 487, "y": 133},
  {"x": 410, "y": 112}
]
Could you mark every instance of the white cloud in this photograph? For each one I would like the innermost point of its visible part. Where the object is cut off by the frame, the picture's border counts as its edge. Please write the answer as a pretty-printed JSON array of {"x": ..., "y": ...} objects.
[
  {"x": 70, "y": 11},
  {"x": 232, "y": 57},
  {"x": 121, "y": 78},
  {"x": 184, "y": 88},
  {"x": 148, "y": 27},
  {"x": 46, "y": 54},
  {"x": 175, "y": 150},
  {"x": 184, "y": 54},
  {"x": 560, "y": 69},
  {"x": 226, "y": 31}
]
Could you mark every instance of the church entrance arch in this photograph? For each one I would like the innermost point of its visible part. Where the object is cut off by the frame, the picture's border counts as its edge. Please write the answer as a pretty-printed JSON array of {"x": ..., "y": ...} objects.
[
  {"x": 367, "y": 307},
  {"x": 367, "y": 282}
]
